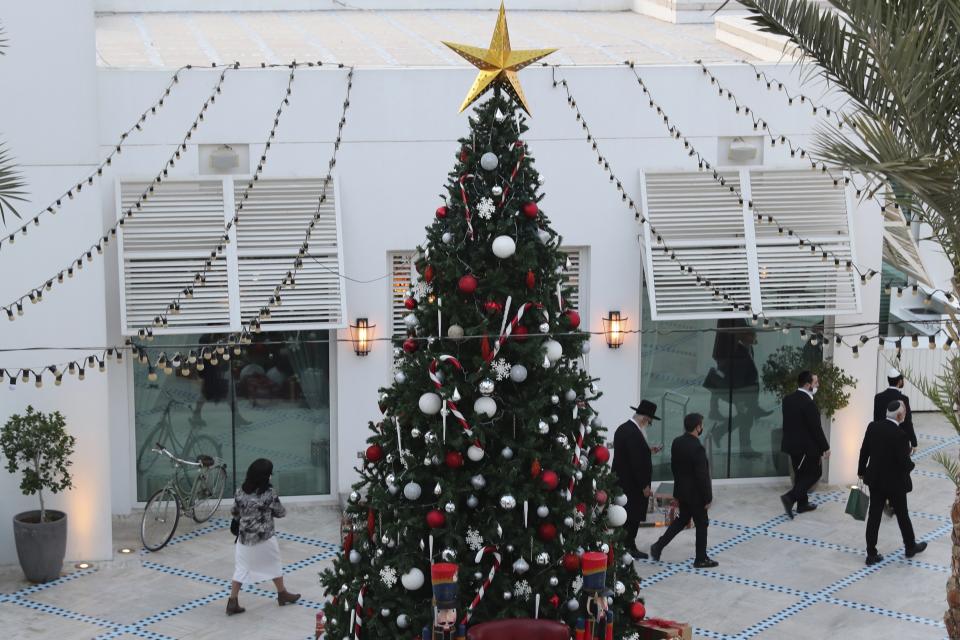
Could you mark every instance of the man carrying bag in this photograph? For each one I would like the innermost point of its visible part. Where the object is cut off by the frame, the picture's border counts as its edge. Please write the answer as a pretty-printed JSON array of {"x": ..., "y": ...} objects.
[{"x": 885, "y": 466}]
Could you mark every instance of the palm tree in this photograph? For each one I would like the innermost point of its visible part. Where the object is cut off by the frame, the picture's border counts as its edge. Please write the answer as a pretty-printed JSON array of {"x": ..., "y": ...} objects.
[
  {"x": 899, "y": 63},
  {"x": 11, "y": 183}
]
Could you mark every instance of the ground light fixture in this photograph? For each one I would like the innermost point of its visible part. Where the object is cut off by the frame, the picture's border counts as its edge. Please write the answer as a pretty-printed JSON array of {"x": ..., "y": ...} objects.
[
  {"x": 614, "y": 328},
  {"x": 83, "y": 565},
  {"x": 361, "y": 335},
  {"x": 126, "y": 550}
]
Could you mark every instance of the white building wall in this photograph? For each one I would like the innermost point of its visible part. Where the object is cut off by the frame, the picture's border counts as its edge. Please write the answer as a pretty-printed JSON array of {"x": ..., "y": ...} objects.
[
  {"x": 400, "y": 142},
  {"x": 48, "y": 118}
]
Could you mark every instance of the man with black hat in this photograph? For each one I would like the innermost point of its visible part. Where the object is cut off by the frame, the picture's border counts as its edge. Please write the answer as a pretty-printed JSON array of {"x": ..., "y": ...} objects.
[
  {"x": 885, "y": 466},
  {"x": 692, "y": 488},
  {"x": 894, "y": 393},
  {"x": 633, "y": 465}
]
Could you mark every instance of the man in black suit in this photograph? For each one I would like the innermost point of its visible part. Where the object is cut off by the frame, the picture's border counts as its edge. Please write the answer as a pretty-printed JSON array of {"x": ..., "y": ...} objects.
[
  {"x": 692, "y": 489},
  {"x": 634, "y": 468},
  {"x": 804, "y": 441},
  {"x": 891, "y": 394},
  {"x": 885, "y": 466}
]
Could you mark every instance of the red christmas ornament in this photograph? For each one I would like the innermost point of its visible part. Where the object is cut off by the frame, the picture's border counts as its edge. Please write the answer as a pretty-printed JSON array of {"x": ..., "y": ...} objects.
[
  {"x": 549, "y": 480},
  {"x": 571, "y": 562},
  {"x": 410, "y": 304},
  {"x": 428, "y": 273},
  {"x": 441, "y": 213},
  {"x": 531, "y": 280},
  {"x": 554, "y": 601},
  {"x": 573, "y": 318},
  {"x": 464, "y": 154},
  {"x": 492, "y": 306},
  {"x": 520, "y": 333},
  {"x": 547, "y": 531},
  {"x": 467, "y": 284},
  {"x": 601, "y": 454},
  {"x": 638, "y": 611},
  {"x": 485, "y": 351},
  {"x": 374, "y": 453},
  {"x": 531, "y": 210},
  {"x": 581, "y": 507},
  {"x": 535, "y": 468},
  {"x": 601, "y": 496},
  {"x": 348, "y": 542},
  {"x": 454, "y": 459},
  {"x": 410, "y": 345},
  {"x": 436, "y": 519}
]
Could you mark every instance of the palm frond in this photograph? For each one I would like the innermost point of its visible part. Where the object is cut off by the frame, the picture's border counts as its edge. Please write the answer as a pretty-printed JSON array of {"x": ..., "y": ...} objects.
[
  {"x": 944, "y": 391},
  {"x": 3, "y": 40},
  {"x": 12, "y": 185},
  {"x": 950, "y": 465}
]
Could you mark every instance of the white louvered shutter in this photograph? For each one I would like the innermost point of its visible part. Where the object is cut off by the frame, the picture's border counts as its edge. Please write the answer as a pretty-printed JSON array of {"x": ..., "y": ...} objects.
[
  {"x": 793, "y": 279},
  {"x": 703, "y": 224},
  {"x": 573, "y": 279},
  {"x": 163, "y": 246},
  {"x": 270, "y": 231},
  {"x": 401, "y": 281}
]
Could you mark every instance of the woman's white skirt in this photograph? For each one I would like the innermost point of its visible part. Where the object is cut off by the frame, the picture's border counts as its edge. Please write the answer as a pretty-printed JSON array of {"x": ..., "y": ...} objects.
[{"x": 257, "y": 562}]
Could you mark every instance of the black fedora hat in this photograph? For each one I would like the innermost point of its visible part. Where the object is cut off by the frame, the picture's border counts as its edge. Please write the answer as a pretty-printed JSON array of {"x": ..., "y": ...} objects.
[{"x": 646, "y": 408}]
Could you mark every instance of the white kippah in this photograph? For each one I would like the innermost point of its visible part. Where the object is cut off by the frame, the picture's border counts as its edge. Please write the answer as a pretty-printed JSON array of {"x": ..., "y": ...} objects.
[{"x": 893, "y": 373}]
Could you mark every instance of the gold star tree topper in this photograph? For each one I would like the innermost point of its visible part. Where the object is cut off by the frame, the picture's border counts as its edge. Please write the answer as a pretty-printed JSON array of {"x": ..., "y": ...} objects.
[{"x": 498, "y": 64}]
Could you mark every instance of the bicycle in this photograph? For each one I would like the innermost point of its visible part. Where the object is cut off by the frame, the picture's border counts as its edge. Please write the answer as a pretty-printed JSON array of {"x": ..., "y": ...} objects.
[
  {"x": 200, "y": 499},
  {"x": 164, "y": 430}
]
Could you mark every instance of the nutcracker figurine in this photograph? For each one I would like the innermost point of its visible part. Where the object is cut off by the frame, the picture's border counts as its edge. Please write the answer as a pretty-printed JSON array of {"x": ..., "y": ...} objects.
[
  {"x": 598, "y": 624},
  {"x": 445, "y": 596}
]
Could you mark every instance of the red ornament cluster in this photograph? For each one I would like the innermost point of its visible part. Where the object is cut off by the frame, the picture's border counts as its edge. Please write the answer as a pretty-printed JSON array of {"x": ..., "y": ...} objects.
[
  {"x": 467, "y": 284},
  {"x": 531, "y": 210},
  {"x": 374, "y": 453},
  {"x": 549, "y": 480},
  {"x": 601, "y": 454},
  {"x": 436, "y": 519},
  {"x": 441, "y": 213},
  {"x": 454, "y": 459}
]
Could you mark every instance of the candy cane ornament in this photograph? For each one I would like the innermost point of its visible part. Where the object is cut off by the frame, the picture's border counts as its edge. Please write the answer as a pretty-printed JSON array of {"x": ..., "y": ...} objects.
[
  {"x": 466, "y": 204},
  {"x": 491, "y": 550},
  {"x": 449, "y": 403},
  {"x": 358, "y": 621},
  {"x": 513, "y": 174}
]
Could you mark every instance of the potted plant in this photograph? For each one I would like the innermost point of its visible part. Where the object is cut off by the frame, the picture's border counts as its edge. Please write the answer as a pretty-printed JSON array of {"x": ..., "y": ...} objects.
[
  {"x": 38, "y": 446},
  {"x": 781, "y": 369}
]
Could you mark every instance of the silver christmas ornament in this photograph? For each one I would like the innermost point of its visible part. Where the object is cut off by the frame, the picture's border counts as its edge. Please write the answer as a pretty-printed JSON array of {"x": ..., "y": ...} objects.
[
  {"x": 554, "y": 399},
  {"x": 393, "y": 489},
  {"x": 427, "y": 461},
  {"x": 379, "y": 552},
  {"x": 540, "y": 179},
  {"x": 545, "y": 327},
  {"x": 543, "y": 427},
  {"x": 585, "y": 347},
  {"x": 385, "y": 612},
  {"x": 430, "y": 437},
  {"x": 486, "y": 386},
  {"x": 554, "y": 418},
  {"x": 543, "y": 511},
  {"x": 477, "y": 575},
  {"x": 489, "y": 161},
  {"x": 436, "y": 459},
  {"x": 437, "y": 490},
  {"x": 390, "y": 479},
  {"x": 507, "y": 595},
  {"x": 448, "y": 555},
  {"x": 400, "y": 377},
  {"x": 520, "y": 566},
  {"x": 410, "y": 320},
  {"x": 447, "y": 237},
  {"x": 455, "y": 332},
  {"x": 403, "y": 621},
  {"x": 472, "y": 502},
  {"x": 509, "y": 546},
  {"x": 449, "y": 507},
  {"x": 518, "y": 373},
  {"x": 579, "y": 475},
  {"x": 570, "y": 395},
  {"x": 414, "y": 433},
  {"x": 605, "y": 548},
  {"x": 543, "y": 558},
  {"x": 354, "y": 556},
  {"x": 478, "y": 482},
  {"x": 354, "y": 496},
  {"x": 619, "y": 588},
  {"x": 568, "y": 521},
  {"x": 554, "y": 581},
  {"x": 412, "y": 491},
  {"x": 572, "y": 604},
  {"x": 507, "y": 453},
  {"x": 390, "y": 459},
  {"x": 496, "y": 190},
  {"x": 626, "y": 559},
  {"x": 508, "y": 501}
]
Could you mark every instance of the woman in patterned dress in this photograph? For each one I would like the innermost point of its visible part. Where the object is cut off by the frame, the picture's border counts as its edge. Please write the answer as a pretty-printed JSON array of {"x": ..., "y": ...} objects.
[{"x": 257, "y": 554}]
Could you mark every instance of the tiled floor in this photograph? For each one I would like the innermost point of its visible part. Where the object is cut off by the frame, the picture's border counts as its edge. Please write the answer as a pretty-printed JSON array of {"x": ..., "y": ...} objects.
[{"x": 777, "y": 579}]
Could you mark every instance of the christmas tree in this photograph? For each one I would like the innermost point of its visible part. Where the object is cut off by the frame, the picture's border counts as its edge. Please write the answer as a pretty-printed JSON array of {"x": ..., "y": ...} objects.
[
  {"x": 487, "y": 472},
  {"x": 489, "y": 453}
]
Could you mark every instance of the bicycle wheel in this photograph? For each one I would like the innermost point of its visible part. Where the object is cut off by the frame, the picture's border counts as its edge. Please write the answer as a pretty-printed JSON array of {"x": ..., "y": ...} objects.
[
  {"x": 160, "y": 518},
  {"x": 208, "y": 492}
]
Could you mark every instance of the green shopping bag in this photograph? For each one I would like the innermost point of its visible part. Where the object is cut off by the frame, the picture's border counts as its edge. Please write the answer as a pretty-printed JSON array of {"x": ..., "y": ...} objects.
[{"x": 858, "y": 502}]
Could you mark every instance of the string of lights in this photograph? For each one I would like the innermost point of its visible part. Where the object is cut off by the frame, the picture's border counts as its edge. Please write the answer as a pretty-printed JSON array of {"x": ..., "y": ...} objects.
[
  {"x": 117, "y": 148},
  {"x": 701, "y": 280},
  {"x": 15, "y": 307},
  {"x": 289, "y": 280},
  {"x": 760, "y": 215},
  {"x": 797, "y": 99}
]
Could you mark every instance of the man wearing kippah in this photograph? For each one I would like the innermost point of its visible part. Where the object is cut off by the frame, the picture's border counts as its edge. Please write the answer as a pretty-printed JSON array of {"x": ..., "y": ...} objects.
[{"x": 890, "y": 394}]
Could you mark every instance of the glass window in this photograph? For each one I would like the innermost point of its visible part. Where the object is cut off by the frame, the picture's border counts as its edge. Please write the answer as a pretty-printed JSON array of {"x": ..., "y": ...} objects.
[
  {"x": 715, "y": 368},
  {"x": 272, "y": 401}
]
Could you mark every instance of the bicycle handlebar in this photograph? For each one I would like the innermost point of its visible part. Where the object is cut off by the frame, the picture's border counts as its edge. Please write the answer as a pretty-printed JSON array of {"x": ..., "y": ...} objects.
[{"x": 162, "y": 450}]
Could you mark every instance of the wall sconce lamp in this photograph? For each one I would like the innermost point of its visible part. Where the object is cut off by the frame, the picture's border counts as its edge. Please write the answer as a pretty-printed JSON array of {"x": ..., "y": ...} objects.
[
  {"x": 614, "y": 328},
  {"x": 362, "y": 336}
]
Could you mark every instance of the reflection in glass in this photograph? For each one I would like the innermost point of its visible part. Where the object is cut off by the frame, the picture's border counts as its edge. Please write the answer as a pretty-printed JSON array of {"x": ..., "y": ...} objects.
[{"x": 272, "y": 401}]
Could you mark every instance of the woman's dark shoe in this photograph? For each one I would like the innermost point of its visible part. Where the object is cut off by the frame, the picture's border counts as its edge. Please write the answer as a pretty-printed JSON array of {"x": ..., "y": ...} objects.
[
  {"x": 233, "y": 606},
  {"x": 285, "y": 597}
]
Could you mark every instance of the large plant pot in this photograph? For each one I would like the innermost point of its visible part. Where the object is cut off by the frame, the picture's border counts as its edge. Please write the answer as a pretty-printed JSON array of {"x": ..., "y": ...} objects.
[{"x": 40, "y": 545}]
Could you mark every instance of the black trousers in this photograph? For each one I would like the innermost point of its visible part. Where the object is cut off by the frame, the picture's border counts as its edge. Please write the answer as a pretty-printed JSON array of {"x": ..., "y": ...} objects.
[
  {"x": 633, "y": 523},
  {"x": 806, "y": 471},
  {"x": 878, "y": 498},
  {"x": 688, "y": 512}
]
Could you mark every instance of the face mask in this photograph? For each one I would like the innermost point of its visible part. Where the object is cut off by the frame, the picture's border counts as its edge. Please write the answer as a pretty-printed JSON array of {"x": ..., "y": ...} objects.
[{"x": 814, "y": 390}]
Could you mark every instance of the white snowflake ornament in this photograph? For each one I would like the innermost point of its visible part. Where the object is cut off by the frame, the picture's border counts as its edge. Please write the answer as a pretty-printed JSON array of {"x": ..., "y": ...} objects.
[
  {"x": 501, "y": 368},
  {"x": 522, "y": 590},
  {"x": 486, "y": 208},
  {"x": 389, "y": 576},
  {"x": 421, "y": 290},
  {"x": 474, "y": 539}
]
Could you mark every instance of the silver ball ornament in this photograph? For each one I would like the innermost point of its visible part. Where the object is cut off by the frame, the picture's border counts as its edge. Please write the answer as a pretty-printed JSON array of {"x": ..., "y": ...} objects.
[
  {"x": 554, "y": 399},
  {"x": 390, "y": 479},
  {"x": 486, "y": 386},
  {"x": 518, "y": 373},
  {"x": 430, "y": 437},
  {"x": 543, "y": 558},
  {"x": 508, "y": 501},
  {"x": 448, "y": 555},
  {"x": 572, "y": 604},
  {"x": 403, "y": 621},
  {"x": 449, "y": 507},
  {"x": 455, "y": 332},
  {"x": 568, "y": 521},
  {"x": 520, "y": 566},
  {"x": 384, "y": 612},
  {"x": 414, "y": 433},
  {"x": 355, "y": 556},
  {"x": 496, "y": 190},
  {"x": 400, "y": 377},
  {"x": 541, "y": 179},
  {"x": 427, "y": 461},
  {"x": 605, "y": 548},
  {"x": 507, "y": 596},
  {"x": 489, "y": 161},
  {"x": 477, "y": 575},
  {"x": 412, "y": 491},
  {"x": 619, "y": 588},
  {"x": 585, "y": 347},
  {"x": 543, "y": 427},
  {"x": 478, "y": 482},
  {"x": 543, "y": 511},
  {"x": 447, "y": 237},
  {"x": 554, "y": 418},
  {"x": 472, "y": 502},
  {"x": 509, "y": 548},
  {"x": 554, "y": 581},
  {"x": 506, "y": 453},
  {"x": 354, "y": 496},
  {"x": 545, "y": 327},
  {"x": 570, "y": 395}
]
